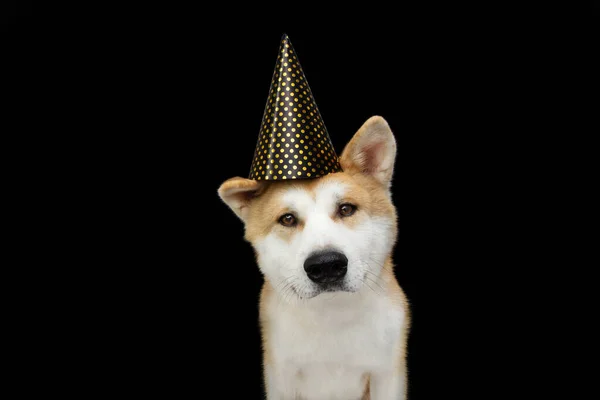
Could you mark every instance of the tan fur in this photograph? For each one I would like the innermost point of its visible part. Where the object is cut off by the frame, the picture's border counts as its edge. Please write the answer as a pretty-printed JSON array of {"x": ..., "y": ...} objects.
[
  {"x": 237, "y": 193},
  {"x": 367, "y": 395},
  {"x": 258, "y": 205},
  {"x": 265, "y": 293},
  {"x": 263, "y": 215},
  {"x": 393, "y": 290},
  {"x": 364, "y": 144},
  {"x": 397, "y": 294}
]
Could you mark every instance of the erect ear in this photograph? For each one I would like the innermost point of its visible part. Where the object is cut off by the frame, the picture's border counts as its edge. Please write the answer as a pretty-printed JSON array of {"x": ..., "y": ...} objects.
[
  {"x": 237, "y": 193},
  {"x": 371, "y": 151}
]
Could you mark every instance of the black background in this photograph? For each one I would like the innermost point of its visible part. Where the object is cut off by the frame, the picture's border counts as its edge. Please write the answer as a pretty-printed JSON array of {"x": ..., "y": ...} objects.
[{"x": 150, "y": 108}]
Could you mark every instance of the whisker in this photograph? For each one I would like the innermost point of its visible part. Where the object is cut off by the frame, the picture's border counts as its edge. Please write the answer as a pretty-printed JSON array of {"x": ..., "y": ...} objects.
[
  {"x": 377, "y": 280},
  {"x": 376, "y": 283},
  {"x": 281, "y": 283},
  {"x": 292, "y": 292},
  {"x": 372, "y": 273},
  {"x": 286, "y": 288},
  {"x": 369, "y": 286},
  {"x": 379, "y": 264}
]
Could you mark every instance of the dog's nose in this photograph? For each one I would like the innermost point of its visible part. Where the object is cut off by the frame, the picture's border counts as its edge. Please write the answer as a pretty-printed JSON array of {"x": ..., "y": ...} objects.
[{"x": 326, "y": 267}]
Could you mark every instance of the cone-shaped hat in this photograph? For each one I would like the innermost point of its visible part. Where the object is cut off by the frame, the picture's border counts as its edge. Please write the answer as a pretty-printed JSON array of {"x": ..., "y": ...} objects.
[{"x": 293, "y": 142}]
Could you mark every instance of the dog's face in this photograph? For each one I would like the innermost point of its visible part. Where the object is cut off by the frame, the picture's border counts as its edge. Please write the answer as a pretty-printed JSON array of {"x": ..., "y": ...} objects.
[{"x": 328, "y": 234}]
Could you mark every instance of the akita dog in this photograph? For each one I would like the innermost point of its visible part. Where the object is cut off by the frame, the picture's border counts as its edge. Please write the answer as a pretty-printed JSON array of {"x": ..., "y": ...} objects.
[{"x": 334, "y": 321}]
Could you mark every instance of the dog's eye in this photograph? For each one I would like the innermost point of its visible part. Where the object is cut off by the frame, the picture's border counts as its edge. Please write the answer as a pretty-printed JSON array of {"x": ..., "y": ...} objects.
[
  {"x": 287, "y": 220},
  {"x": 347, "y": 210}
]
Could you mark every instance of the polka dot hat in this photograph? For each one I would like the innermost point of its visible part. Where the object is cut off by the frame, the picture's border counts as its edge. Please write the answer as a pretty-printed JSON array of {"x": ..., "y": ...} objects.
[{"x": 293, "y": 142}]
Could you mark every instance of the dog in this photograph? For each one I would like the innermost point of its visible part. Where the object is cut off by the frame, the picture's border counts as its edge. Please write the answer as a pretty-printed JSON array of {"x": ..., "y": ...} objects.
[{"x": 334, "y": 321}]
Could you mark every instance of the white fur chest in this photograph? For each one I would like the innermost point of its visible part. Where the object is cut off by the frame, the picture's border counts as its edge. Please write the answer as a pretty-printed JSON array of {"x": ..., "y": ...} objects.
[{"x": 326, "y": 348}]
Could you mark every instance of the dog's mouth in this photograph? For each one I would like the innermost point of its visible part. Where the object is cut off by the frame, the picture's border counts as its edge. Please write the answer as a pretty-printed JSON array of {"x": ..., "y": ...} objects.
[
  {"x": 334, "y": 287},
  {"x": 306, "y": 293},
  {"x": 331, "y": 288}
]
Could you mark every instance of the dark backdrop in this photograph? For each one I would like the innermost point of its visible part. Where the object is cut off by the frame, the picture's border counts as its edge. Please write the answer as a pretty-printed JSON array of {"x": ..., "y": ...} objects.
[{"x": 150, "y": 108}]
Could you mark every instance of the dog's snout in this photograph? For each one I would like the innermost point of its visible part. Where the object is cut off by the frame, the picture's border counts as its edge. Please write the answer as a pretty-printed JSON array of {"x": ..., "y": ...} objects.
[{"x": 326, "y": 267}]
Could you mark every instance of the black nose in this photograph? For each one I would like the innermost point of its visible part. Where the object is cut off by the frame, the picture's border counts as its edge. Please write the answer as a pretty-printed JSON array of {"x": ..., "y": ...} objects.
[{"x": 326, "y": 267}]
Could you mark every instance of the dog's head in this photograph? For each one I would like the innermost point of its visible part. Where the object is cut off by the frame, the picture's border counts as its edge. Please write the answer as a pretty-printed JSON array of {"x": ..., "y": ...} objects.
[{"x": 332, "y": 233}]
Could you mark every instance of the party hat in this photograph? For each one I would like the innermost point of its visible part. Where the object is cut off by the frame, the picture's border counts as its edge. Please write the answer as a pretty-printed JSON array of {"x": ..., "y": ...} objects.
[{"x": 293, "y": 142}]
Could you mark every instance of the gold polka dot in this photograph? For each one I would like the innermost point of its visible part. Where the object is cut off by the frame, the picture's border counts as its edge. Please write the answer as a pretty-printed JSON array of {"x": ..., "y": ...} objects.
[{"x": 291, "y": 108}]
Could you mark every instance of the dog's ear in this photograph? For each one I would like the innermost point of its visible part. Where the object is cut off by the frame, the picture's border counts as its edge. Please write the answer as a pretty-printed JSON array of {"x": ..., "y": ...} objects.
[
  {"x": 237, "y": 193},
  {"x": 371, "y": 151}
]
